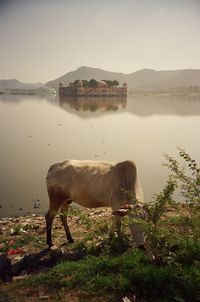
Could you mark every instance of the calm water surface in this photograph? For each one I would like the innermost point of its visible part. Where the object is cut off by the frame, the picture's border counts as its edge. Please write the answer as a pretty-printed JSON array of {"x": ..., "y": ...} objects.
[{"x": 38, "y": 131}]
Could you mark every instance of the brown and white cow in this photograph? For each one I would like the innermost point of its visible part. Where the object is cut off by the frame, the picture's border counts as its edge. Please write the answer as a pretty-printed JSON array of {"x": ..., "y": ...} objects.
[{"x": 93, "y": 184}]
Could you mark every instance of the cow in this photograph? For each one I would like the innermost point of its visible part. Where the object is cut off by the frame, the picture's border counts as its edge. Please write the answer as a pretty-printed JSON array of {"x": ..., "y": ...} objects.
[{"x": 94, "y": 184}]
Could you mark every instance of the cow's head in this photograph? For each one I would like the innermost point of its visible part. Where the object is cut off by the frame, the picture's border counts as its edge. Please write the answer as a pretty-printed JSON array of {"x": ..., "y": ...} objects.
[{"x": 123, "y": 211}]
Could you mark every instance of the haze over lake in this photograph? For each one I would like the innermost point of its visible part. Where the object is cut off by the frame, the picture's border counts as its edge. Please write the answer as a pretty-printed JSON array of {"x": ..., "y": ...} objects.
[{"x": 36, "y": 132}]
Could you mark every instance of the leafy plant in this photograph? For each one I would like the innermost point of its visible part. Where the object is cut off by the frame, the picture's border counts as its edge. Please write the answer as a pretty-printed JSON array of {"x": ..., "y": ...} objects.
[
  {"x": 162, "y": 201},
  {"x": 188, "y": 178},
  {"x": 183, "y": 240}
]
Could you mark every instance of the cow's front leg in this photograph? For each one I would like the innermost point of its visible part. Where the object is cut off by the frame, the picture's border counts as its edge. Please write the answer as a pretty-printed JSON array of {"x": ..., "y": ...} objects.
[
  {"x": 116, "y": 226},
  {"x": 136, "y": 227}
]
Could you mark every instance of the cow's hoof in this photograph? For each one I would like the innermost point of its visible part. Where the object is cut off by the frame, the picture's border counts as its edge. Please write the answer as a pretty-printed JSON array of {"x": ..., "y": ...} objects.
[
  {"x": 142, "y": 248},
  {"x": 54, "y": 248},
  {"x": 50, "y": 245}
]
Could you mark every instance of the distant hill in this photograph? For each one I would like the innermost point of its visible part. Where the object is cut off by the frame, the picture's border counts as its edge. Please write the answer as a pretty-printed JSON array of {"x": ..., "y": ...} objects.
[
  {"x": 145, "y": 80},
  {"x": 7, "y": 85}
]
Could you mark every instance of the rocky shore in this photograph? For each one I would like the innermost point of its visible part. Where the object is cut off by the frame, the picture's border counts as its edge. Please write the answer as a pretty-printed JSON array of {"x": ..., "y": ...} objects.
[{"x": 22, "y": 242}]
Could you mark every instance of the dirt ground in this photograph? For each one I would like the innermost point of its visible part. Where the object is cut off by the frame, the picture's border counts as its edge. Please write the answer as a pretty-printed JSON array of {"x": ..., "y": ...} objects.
[
  {"x": 22, "y": 236},
  {"x": 33, "y": 229}
]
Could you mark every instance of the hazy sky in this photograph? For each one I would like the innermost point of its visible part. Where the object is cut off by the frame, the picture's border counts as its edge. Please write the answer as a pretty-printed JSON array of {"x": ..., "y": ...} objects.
[{"x": 41, "y": 40}]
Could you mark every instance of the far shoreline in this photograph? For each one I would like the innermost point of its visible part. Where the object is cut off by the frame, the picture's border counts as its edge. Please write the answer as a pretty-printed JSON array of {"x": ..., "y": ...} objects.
[{"x": 162, "y": 94}]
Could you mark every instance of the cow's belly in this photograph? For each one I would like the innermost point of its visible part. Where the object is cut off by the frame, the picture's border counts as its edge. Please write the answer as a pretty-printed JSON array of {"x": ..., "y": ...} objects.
[
  {"x": 91, "y": 197},
  {"x": 89, "y": 200}
]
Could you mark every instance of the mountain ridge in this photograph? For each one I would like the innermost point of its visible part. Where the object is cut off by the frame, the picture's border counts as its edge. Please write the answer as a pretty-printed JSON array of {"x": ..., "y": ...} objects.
[
  {"x": 10, "y": 84},
  {"x": 142, "y": 80}
]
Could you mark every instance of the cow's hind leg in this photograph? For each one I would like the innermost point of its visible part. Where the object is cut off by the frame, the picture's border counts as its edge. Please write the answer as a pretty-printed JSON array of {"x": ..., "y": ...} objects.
[
  {"x": 53, "y": 210},
  {"x": 55, "y": 199},
  {"x": 63, "y": 216}
]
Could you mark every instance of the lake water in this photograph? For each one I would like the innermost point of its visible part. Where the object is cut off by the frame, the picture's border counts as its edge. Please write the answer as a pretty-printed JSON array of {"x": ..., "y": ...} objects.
[{"x": 38, "y": 131}]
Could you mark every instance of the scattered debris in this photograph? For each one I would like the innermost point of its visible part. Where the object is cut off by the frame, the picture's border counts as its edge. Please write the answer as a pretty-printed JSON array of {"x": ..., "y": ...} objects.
[
  {"x": 44, "y": 297},
  {"x": 23, "y": 248},
  {"x": 35, "y": 262},
  {"x": 132, "y": 299},
  {"x": 15, "y": 251},
  {"x": 36, "y": 203}
]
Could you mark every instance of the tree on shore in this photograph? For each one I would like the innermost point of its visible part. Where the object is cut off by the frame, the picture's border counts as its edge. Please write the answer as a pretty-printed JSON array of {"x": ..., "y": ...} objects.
[
  {"x": 93, "y": 83},
  {"x": 111, "y": 83}
]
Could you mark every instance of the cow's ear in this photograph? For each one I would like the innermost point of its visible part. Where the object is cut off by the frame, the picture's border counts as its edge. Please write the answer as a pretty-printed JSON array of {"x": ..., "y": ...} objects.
[{"x": 120, "y": 212}]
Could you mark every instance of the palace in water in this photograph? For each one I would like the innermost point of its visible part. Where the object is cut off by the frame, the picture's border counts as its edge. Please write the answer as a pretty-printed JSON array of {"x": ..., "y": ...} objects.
[{"x": 99, "y": 89}]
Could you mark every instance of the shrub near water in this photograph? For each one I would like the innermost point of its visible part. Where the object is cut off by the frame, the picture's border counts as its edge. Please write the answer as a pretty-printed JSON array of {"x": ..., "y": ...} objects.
[{"x": 181, "y": 234}]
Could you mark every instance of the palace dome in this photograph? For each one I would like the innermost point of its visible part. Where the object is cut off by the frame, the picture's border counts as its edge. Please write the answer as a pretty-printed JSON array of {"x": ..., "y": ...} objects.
[{"x": 103, "y": 83}]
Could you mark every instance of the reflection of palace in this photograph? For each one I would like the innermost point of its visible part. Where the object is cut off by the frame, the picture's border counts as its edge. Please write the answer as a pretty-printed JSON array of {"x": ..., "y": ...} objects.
[
  {"x": 93, "y": 88},
  {"x": 93, "y": 103}
]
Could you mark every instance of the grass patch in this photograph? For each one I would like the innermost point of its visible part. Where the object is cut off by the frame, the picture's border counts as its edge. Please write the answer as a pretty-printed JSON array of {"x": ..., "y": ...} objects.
[{"x": 128, "y": 274}]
